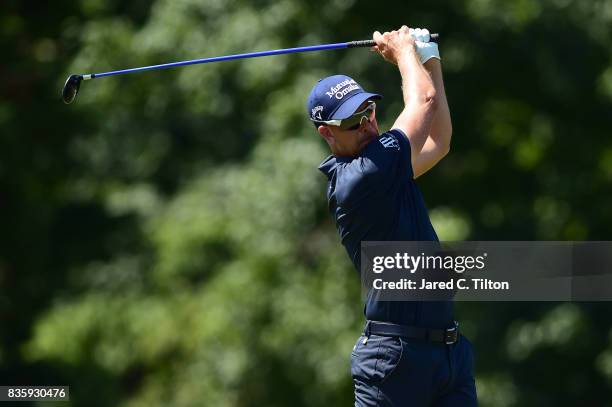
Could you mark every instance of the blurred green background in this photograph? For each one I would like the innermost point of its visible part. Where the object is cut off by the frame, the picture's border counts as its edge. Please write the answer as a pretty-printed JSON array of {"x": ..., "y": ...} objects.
[{"x": 165, "y": 239}]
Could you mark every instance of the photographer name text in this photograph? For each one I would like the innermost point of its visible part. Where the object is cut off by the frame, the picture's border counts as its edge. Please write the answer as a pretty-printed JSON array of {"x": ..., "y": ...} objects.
[{"x": 451, "y": 285}]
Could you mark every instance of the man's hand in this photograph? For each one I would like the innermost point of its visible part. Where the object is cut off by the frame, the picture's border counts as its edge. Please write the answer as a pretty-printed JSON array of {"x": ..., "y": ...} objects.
[
  {"x": 395, "y": 44},
  {"x": 424, "y": 47},
  {"x": 391, "y": 44}
]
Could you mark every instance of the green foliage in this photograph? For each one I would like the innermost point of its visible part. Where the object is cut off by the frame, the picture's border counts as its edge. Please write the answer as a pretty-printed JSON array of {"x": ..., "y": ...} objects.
[{"x": 168, "y": 239}]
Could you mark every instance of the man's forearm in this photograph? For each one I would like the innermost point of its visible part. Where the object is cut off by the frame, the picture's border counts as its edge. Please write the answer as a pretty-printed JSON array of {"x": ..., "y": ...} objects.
[
  {"x": 417, "y": 84},
  {"x": 419, "y": 101},
  {"x": 441, "y": 127}
]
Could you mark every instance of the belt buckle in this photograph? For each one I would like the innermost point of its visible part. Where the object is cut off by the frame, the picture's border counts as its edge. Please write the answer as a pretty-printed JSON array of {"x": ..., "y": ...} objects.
[{"x": 451, "y": 334}]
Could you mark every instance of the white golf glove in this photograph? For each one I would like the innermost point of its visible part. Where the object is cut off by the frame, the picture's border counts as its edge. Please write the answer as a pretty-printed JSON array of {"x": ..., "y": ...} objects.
[{"x": 425, "y": 49}]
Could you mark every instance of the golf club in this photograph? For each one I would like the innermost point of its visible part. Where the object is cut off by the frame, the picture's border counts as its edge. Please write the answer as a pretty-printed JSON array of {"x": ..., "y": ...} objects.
[{"x": 73, "y": 83}]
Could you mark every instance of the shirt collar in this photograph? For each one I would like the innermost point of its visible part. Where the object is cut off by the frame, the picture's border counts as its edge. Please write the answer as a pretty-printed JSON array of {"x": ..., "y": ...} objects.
[{"x": 328, "y": 166}]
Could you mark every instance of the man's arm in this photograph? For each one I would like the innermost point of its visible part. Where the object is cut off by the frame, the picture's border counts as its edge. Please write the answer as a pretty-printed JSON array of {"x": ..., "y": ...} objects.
[
  {"x": 437, "y": 144},
  {"x": 418, "y": 90},
  {"x": 426, "y": 150}
]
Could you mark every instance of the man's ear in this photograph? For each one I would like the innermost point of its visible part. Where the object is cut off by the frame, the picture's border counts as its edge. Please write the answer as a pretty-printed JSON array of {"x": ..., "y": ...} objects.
[{"x": 327, "y": 134}]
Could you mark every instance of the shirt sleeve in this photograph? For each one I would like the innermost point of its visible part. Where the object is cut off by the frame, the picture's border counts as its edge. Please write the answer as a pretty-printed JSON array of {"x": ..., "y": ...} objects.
[{"x": 382, "y": 164}]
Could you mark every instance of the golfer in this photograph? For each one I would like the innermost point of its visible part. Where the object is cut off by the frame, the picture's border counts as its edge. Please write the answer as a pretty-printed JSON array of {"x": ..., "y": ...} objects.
[{"x": 410, "y": 353}]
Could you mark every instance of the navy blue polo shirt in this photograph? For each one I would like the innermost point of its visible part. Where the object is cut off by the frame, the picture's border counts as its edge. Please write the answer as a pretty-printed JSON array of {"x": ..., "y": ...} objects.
[{"x": 374, "y": 197}]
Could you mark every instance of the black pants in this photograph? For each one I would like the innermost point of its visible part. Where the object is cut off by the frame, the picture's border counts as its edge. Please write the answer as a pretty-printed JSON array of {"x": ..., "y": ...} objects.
[{"x": 392, "y": 371}]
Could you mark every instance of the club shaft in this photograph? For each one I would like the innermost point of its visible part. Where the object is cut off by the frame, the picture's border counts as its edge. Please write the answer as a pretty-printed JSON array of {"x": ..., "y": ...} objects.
[
  {"x": 323, "y": 47},
  {"x": 222, "y": 58}
]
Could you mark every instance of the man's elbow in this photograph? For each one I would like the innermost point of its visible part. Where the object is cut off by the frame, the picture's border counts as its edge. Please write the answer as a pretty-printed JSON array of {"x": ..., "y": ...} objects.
[
  {"x": 446, "y": 145},
  {"x": 448, "y": 134},
  {"x": 444, "y": 150},
  {"x": 430, "y": 99},
  {"x": 439, "y": 153},
  {"x": 426, "y": 99}
]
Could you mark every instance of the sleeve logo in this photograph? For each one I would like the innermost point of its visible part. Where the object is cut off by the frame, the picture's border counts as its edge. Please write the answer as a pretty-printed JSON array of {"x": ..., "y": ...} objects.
[{"x": 389, "y": 142}]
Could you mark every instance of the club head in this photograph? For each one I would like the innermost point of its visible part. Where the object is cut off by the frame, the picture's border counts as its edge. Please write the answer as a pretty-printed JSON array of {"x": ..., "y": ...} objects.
[{"x": 71, "y": 88}]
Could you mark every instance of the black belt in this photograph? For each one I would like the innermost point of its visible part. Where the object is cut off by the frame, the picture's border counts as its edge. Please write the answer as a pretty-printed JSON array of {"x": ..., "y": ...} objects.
[{"x": 446, "y": 336}]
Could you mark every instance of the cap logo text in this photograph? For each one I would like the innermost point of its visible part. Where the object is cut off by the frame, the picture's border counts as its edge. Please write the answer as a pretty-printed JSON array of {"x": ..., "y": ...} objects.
[{"x": 342, "y": 88}]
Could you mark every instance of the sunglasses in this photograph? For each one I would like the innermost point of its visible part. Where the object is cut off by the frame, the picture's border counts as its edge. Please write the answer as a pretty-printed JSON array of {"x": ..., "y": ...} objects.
[{"x": 354, "y": 121}]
